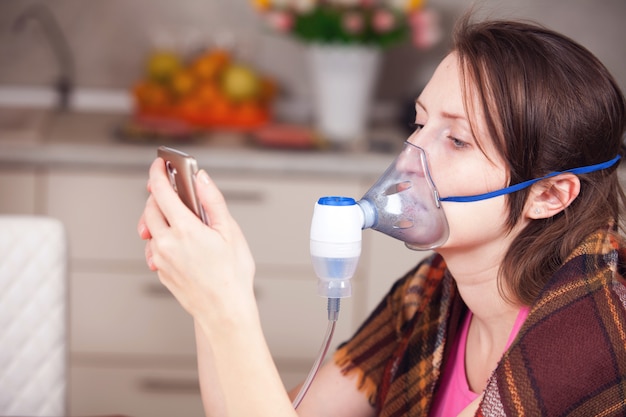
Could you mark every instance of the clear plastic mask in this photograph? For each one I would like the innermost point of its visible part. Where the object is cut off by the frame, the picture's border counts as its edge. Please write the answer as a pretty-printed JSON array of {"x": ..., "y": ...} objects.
[{"x": 404, "y": 202}]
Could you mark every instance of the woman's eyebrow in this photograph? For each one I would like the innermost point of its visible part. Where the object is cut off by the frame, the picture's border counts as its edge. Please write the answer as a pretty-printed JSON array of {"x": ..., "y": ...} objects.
[{"x": 445, "y": 114}]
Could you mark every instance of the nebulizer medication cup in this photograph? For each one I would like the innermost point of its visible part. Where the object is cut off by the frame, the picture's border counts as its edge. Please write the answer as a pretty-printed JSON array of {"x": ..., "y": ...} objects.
[{"x": 335, "y": 244}]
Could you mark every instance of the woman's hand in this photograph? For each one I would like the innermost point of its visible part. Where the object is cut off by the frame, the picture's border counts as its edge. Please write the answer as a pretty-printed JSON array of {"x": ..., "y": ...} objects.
[{"x": 209, "y": 269}]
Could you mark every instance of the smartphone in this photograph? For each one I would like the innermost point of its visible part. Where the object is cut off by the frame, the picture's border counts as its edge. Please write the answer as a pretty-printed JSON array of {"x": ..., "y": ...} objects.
[{"x": 181, "y": 169}]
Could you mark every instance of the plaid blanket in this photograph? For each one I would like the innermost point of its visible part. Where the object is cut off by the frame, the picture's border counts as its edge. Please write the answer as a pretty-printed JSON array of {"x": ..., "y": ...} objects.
[{"x": 569, "y": 358}]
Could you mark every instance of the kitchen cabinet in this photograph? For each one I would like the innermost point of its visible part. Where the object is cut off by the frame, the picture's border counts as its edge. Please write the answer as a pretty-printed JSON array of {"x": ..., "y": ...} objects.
[
  {"x": 137, "y": 390},
  {"x": 132, "y": 348},
  {"x": 18, "y": 191}
]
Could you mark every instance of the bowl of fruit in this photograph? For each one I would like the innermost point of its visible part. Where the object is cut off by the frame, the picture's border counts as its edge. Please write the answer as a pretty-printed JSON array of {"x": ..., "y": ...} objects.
[{"x": 212, "y": 91}]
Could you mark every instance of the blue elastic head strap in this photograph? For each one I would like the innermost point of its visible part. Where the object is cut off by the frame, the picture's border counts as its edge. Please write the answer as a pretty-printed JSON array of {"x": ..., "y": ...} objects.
[{"x": 522, "y": 185}]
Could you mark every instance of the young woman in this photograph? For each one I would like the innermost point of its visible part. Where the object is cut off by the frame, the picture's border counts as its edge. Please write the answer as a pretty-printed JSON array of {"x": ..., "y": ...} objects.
[{"x": 522, "y": 311}]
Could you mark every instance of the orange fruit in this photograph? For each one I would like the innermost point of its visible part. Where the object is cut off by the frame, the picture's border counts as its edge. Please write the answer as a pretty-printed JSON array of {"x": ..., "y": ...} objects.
[
  {"x": 250, "y": 114},
  {"x": 150, "y": 95},
  {"x": 190, "y": 110},
  {"x": 269, "y": 89},
  {"x": 208, "y": 66},
  {"x": 208, "y": 93},
  {"x": 182, "y": 83},
  {"x": 222, "y": 111}
]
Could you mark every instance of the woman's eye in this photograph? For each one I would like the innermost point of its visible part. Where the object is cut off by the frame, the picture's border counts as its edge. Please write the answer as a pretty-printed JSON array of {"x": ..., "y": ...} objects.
[
  {"x": 416, "y": 126},
  {"x": 457, "y": 143}
]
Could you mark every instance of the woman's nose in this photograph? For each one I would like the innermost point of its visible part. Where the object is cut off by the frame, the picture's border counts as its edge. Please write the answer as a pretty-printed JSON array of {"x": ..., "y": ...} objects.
[{"x": 412, "y": 160}]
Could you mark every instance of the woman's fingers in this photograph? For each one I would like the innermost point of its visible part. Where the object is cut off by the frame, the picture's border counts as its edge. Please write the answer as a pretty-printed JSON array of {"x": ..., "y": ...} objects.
[
  {"x": 153, "y": 218},
  {"x": 149, "y": 257},
  {"x": 142, "y": 228},
  {"x": 173, "y": 209},
  {"x": 212, "y": 200},
  {"x": 220, "y": 220}
]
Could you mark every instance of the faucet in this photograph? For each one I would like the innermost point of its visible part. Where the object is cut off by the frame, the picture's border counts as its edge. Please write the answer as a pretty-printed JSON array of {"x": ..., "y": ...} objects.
[{"x": 42, "y": 14}]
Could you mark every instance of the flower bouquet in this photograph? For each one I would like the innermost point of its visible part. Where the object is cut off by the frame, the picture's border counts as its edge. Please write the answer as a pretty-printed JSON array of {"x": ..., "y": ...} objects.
[
  {"x": 345, "y": 40},
  {"x": 377, "y": 23}
]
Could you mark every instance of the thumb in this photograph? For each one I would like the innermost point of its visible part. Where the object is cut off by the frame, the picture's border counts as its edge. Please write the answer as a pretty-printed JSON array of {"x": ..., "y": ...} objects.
[{"x": 211, "y": 199}]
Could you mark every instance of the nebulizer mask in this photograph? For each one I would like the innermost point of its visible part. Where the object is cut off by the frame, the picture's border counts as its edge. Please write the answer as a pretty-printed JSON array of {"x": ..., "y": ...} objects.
[{"x": 403, "y": 204}]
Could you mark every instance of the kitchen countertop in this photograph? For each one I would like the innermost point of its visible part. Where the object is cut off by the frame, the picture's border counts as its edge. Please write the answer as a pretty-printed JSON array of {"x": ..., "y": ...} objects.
[{"x": 88, "y": 140}]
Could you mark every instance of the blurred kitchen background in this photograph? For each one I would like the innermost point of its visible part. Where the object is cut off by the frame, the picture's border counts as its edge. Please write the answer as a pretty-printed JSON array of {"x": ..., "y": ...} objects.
[
  {"x": 130, "y": 346},
  {"x": 109, "y": 42}
]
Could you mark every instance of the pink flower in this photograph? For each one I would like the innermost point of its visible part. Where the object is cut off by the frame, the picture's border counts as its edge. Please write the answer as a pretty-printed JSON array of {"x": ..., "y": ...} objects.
[
  {"x": 280, "y": 20},
  {"x": 383, "y": 21},
  {"x": 353, "y": 23},
  {"x": 425, "y": 28}
]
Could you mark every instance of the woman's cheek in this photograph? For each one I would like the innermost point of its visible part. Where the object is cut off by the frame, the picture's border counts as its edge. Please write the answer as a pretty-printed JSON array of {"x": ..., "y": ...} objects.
[{"x": 477, "y": 222}]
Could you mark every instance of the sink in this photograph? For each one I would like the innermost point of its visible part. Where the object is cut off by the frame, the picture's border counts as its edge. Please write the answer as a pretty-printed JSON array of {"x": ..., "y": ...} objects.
[{"x": 23, "y": 125}]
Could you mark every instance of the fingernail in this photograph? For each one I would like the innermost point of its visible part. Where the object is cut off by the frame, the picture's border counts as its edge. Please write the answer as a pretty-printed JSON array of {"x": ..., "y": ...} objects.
[
  {"x": 203, "y": 176},
  {"x": 150, "y": 263}
]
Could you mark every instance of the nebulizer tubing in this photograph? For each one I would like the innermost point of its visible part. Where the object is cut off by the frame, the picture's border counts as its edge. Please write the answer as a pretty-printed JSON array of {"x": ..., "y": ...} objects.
[
  {"x": 330, "y": 330},
  {"x": 335, "y": 251}
]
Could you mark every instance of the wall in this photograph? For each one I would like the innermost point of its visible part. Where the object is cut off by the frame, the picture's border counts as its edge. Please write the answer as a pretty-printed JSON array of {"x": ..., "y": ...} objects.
[{"x": 110, "y": 39}]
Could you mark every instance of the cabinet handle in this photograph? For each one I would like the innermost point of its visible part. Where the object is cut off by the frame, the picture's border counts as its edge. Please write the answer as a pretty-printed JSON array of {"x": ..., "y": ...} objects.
[
  {"x": 159, "y": 290},
  {"x": 155, "y": 385},
  {"x": 243, "y": 196}
]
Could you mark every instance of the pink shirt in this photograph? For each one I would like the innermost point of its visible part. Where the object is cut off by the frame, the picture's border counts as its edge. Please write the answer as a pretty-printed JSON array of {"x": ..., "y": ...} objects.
[{"x": 454, "y": 393}]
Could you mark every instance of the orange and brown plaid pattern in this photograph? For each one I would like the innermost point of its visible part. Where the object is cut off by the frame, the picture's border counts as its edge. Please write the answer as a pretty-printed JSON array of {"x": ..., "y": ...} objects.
[{"x": 569, "y": 358}]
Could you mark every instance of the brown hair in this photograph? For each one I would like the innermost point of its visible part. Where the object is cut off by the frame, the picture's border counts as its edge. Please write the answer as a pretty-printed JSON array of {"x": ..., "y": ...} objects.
[{"x": 549, "y": 105}]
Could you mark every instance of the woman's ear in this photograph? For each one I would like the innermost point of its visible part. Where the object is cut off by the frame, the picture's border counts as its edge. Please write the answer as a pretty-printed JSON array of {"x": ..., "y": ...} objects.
[{"x": 551, "y": 196}]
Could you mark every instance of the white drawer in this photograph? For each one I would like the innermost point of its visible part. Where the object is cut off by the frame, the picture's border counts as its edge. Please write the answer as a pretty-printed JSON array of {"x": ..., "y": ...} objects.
[
  {"x": 134, "y": 392},
  {"x": 148, "y": 392},
  {"x": 127, "y": 314},
  {"x": 275, "y": 213},
  {"x": 100, "y": 211}
]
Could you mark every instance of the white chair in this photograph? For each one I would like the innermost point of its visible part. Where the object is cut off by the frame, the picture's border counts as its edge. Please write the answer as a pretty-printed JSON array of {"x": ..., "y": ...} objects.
[{"x": 33, "y": 316}]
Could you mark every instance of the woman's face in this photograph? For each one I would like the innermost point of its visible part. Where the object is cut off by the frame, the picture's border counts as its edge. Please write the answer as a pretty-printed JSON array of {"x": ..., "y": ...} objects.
[{"x": 458, "y": 166}]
